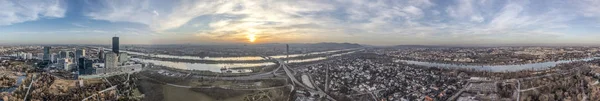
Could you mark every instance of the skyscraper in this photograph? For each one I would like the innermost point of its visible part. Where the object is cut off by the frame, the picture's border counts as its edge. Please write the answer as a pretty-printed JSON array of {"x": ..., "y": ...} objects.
[
  {"x": 63, "y": 54},
  {"x": 79, "y": 53},
  {"x": 101, "y": 54},
  {"x": 46, "y": 53},
  {"x": 67, "y": 64},
  {"x": 111, "y": 60},
  {"x": 115, "y": 45},
  {"x": 54, "y": 57},
  {"x": 85, "y": 66},
  {"x": 123, "y": 57},
  {"x": 70, "y": 54}
]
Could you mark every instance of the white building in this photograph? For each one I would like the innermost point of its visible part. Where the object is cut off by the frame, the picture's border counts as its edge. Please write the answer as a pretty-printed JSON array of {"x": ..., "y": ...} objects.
[
  {"x": 123, "y": 57},
  {"x": 40, "y": 56},
  {"x": 67, "y": 63},
  {"x": 53, "y": 57},
  {"x": 112, "y": 60},
  {"x": 28, "y": 55}
]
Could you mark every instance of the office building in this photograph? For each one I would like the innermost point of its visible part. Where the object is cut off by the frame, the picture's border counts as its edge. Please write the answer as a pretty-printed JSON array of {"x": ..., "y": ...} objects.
[
  {"x": 101, "y": 54},
  {"x": 67, "y": 63},
  {"x": 63, "y": 54},
  {"x": 70, "y": 54},
  {"x": 123, "y": 57},
  {"x": 79, "y": 53},
  {"x": 53, "y": 57},
  {"x": 111, "y": 60},
  {"x": 115, "y": 44},
  {"x": 39, "y": 56},
  {"x": 46, "y": 53},
  {"x": 28, "y": 55},
  {"x": 84, "y": 66}
]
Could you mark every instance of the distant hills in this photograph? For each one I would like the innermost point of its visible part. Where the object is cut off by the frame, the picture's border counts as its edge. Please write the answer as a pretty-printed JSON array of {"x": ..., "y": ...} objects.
[{"x": 418, "y": 46}]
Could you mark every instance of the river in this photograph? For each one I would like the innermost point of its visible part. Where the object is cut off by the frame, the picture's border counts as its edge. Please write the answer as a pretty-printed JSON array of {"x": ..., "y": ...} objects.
[
  {"x": 217, "y": 67},
  {"x": 242, "y": 58},
  {"x": 13, "y": 88},
  {"x": 499, "y": 68}
]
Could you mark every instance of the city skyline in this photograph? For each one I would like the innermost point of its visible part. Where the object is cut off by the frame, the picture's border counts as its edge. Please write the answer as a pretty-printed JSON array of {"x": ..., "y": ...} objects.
[{"x": 409, "y": 22}]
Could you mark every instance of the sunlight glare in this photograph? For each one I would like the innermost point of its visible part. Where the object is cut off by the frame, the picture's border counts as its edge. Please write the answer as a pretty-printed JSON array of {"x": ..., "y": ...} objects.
[
  {"x": 251, "y": 37},
  {"x": 252, "y": 34}
]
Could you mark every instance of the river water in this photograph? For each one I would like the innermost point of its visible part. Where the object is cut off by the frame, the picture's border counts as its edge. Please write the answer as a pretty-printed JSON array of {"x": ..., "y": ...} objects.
[
  {"x": 499, "y": 68},
  {"x": 11, "y": 89},
  {"x": 243, "y": 58},
  {"x": 217, "y": 67}
]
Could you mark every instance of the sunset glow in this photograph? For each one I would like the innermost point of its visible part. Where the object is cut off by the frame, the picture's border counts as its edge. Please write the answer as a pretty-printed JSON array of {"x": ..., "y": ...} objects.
[{"x": 251, "y": 37}]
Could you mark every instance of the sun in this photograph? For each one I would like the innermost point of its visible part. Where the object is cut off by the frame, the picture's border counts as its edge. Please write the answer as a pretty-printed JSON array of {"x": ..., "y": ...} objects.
[
  {"x": 252, "y": 34},
  {"x": 251, "y": 37}
]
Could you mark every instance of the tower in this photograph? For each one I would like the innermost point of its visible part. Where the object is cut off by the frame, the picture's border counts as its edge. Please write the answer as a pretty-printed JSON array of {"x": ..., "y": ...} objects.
[
  {"x": 79, "y": 53},
  {"x": 101, "y": 54},
  {"x": 63, "y": 54},
  {"x": 115, "y": 44},
  {"x": 46, "y": 53},
  {"x": 111, "y": 60}
]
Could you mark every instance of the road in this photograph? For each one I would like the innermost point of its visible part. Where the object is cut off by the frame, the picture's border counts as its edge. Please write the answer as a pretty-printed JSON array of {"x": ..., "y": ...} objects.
[
  {"x": 459, "y": 92},
  {"x": 107, "y": 89},
  {"x": 102, "y": 91},
  {"x": 29, "y": 88},
  {"x": 249, "y": 77},
  {"x": 296, "y": 82}
]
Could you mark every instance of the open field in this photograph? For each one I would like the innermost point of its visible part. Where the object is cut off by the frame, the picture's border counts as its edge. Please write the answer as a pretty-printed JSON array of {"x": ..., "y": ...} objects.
[{"x": 158, "y": 91}]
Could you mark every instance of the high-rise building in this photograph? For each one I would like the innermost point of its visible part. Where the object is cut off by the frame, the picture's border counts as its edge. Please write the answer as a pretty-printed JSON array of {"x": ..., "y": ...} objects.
[
  {"x": 63, "y": 54},
  {"x": 46, "y": 53},
  {"x": 79, "y": 53},
  {"x": 29, "y": 55},
  {"x": 53, "y": 57},
  {"x": 39, "y": 56},
  {"x": 115, "y": 44},
  {"x": 70, "y": 54},
  {"x": 84, "y": 66},
  {"x": 123, "y": 57},
  {"x": 101, "y": 54},
  {"x": 66, "y": 63},
  {"x": 111, "y": 60}
]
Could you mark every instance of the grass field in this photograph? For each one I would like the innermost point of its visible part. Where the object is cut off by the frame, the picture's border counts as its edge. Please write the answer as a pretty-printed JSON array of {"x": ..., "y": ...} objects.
[{"x": 184, "y": 94}]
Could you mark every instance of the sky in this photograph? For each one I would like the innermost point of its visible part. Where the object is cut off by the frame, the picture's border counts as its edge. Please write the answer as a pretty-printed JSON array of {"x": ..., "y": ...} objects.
[{"x": 372, "y": 22}]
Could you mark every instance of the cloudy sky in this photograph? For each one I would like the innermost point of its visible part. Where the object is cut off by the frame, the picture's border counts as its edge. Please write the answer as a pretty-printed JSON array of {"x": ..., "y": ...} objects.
[{"x": 374, "y": 22}]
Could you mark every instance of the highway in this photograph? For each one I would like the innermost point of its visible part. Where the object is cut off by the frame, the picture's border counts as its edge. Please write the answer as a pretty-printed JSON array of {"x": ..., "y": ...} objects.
[
  {"x": 288, "y": 72},
  {"x": 296, "y": 82}
]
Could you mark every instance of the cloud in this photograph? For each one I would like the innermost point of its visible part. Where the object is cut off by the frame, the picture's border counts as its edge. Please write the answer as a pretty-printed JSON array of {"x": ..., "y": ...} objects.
[
  {"x": 17, "y": 11},
  {"x": 155, "y": 13},
  {"x": 79, "y": 25},
  {"x": 354, "y": 19},
  {"x": 463, "y": 8}
]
